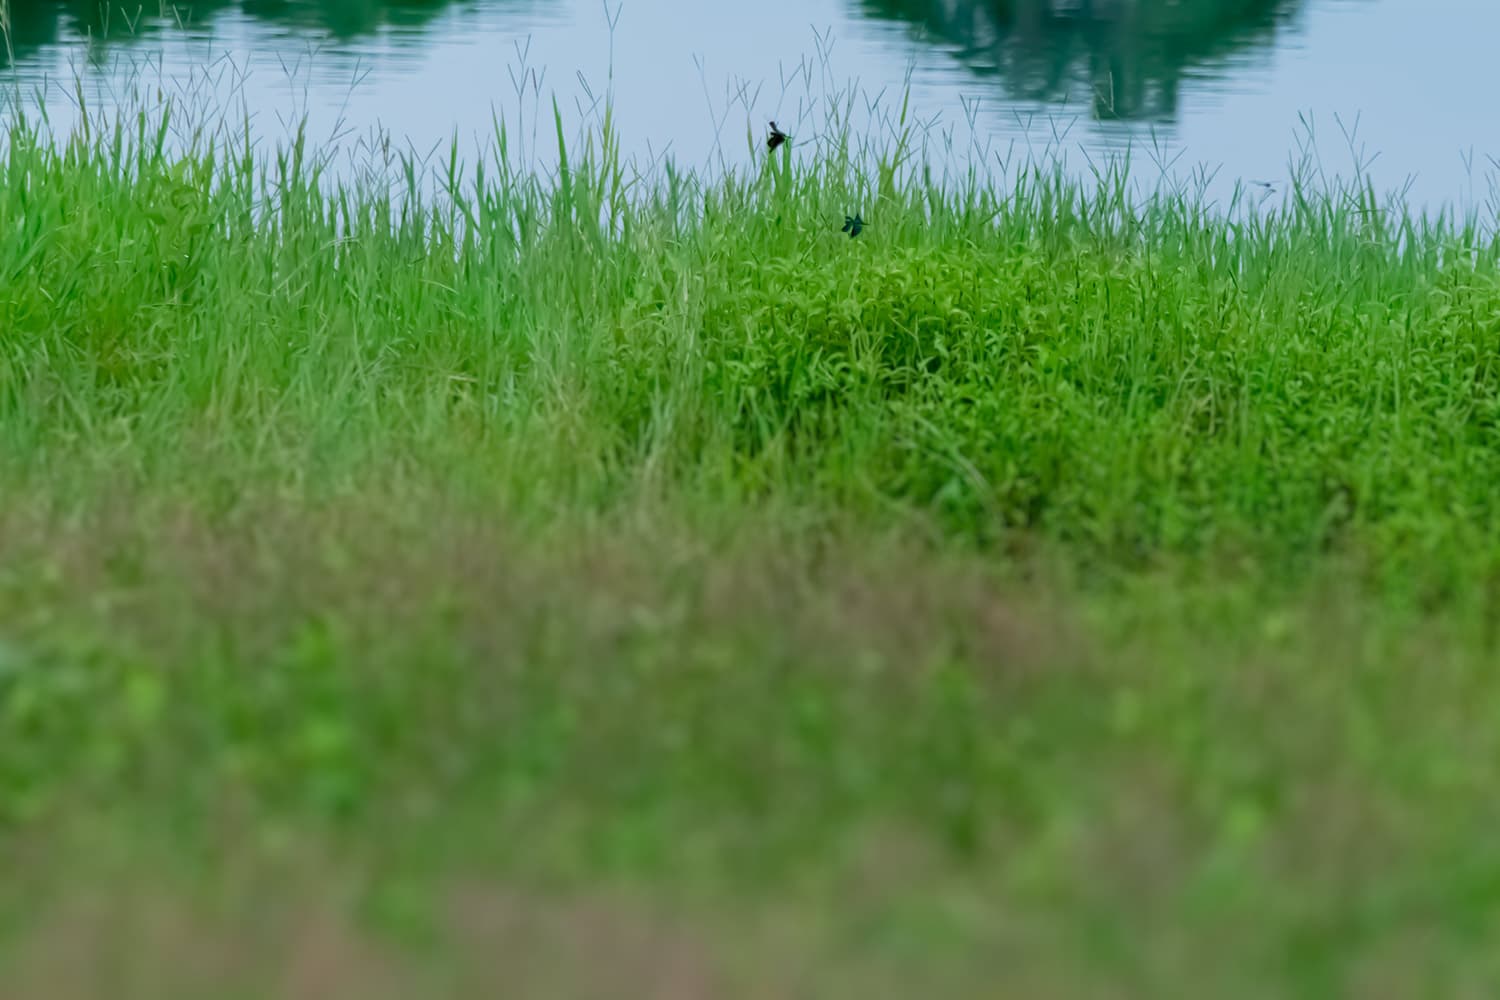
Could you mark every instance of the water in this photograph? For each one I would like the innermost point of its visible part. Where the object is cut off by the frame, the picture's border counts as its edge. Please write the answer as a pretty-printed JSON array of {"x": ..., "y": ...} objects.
[{"x": 1399, "y": 88}]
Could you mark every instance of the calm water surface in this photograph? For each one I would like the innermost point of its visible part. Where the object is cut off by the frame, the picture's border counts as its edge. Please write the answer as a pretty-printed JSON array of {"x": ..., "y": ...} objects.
[{"x": 1239, "y": 86}]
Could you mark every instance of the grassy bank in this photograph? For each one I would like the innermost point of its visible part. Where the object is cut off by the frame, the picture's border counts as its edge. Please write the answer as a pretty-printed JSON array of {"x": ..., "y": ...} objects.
[{"x": 1048, "y": 590}]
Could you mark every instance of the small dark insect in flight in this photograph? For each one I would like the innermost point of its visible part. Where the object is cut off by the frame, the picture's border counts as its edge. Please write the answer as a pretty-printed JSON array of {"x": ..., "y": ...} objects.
[
  {"x": 776, "y": 138},
  {"x": 852, "y": 225}
]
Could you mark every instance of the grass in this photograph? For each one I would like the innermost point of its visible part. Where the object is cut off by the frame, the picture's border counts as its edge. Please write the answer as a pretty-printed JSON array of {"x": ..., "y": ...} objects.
[{"x": 1052, "y": 590}]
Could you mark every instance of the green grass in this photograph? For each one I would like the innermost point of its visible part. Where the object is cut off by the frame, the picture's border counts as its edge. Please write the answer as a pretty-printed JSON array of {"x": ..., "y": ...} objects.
[{"x": 1054, "y": 590}]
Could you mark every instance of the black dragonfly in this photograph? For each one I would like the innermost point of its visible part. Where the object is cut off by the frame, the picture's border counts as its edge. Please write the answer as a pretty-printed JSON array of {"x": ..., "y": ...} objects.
[
  {"x": 776, "y": 138},
  {"x": 852, "y": 225}
]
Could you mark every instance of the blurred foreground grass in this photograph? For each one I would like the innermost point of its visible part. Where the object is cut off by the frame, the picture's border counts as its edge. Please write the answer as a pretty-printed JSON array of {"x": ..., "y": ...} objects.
[{"x": 1048, "y": 593}]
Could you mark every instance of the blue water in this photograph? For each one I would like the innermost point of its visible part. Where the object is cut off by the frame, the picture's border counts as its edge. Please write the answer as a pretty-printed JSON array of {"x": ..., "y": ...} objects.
[{"x": 1401, "y": 89}]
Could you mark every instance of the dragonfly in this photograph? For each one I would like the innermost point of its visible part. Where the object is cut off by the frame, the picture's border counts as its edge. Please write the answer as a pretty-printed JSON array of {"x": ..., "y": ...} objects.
[
  {"x": 776, "y": 138},
  {"x": 852, "y": 225}
]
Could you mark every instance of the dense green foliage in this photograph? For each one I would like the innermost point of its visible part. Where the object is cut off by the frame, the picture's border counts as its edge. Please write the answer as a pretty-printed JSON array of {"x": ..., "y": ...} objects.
[
  {"x": 1118, "y": 558},
  {"x": 1129, "y": 382}
]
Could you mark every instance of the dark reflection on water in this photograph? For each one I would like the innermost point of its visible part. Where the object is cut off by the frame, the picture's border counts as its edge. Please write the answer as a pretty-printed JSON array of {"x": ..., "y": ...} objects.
[
  {"x": 1128, "y": 57},
  {"x": 37, "y": 23}
]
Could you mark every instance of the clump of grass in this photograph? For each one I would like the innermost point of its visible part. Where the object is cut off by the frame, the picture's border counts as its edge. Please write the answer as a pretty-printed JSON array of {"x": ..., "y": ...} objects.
[
  {"x": 1131, "y": 380},
  {"x": 641, "y": 524}
]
